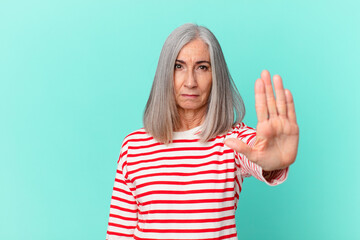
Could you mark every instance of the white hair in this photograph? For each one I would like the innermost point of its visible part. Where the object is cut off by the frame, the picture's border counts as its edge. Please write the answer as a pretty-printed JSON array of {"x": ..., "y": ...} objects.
[{"x": 225, "y": 106}]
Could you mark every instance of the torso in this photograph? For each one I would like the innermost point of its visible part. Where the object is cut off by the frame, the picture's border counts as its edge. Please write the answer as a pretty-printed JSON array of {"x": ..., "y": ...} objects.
[{"x": 186, "y": 187}]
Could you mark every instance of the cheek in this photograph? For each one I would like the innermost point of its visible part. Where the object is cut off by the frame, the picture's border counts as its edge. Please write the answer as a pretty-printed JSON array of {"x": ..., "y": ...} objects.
[
  {"x": 176, "y": 82},
  {"x": 208, "y": 90},
  {"x": 177, "y": 87},
  {"x": 207, "y": 84}
]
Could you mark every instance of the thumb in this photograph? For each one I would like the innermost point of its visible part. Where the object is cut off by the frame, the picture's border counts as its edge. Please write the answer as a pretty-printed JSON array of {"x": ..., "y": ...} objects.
[{"x": 239, "y": 146}]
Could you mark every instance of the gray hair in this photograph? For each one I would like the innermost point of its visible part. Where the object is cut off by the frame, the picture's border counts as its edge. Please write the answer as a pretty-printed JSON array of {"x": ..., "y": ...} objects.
[{"x": 225, "y": 105}]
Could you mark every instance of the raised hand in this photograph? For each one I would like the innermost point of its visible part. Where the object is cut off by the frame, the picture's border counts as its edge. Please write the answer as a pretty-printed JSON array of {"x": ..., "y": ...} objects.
[{"x": 277, "y": 133}]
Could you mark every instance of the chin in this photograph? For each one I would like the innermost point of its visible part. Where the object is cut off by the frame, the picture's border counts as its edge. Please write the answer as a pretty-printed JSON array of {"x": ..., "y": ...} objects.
[{"x": 192, "y": 107}]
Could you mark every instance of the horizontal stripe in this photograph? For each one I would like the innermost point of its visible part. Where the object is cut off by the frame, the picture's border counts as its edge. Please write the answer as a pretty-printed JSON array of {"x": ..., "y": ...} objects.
[
  {"x": 119, "y": 234},
  {"x": 124, "y": 209},
  {"x": 183, "y": 174},
  {"x": 182, "y": 211},
  {"x": 121, "y": 225},
  {"x": 123, "y": 218},
  {"x": 217, "y": 162},
  {"x": 126, "y": 143},
  {"x": 202, "y": 220},
  {"x": 123, "y": 200},
  {"x": 159, "y": 144},
  {"x": 192, "y": 201},
  {"x": 121, "y": 190},
  {"x": 179, "y": 149},
  {"x": 217, "y": 153},
  {"x": 202, "y": 181},
  {"x": 202, "y": 230},
  {"x": 215, "y": 238},
  {"x": 184, "y": 191}
]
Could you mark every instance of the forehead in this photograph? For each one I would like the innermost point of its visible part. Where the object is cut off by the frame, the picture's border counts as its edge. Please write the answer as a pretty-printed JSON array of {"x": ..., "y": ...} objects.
[{"x": 196, "y": 49}]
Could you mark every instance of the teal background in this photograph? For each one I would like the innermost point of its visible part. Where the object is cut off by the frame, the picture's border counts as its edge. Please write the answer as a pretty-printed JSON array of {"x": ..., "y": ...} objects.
[{"x": 75, "y": 77}]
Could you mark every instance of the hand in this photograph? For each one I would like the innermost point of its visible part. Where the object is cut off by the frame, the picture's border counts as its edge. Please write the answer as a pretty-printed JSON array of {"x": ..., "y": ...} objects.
[{"x": 277, "y": 133}]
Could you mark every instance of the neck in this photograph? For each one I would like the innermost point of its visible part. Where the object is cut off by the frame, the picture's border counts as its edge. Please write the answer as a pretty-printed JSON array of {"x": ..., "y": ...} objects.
[{"x": 190, "y": 118}]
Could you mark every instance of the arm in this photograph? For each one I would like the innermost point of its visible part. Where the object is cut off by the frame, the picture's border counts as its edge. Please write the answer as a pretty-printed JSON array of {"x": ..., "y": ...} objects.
[
  {"x": 248, "y": 168},
  {"x": 271, "y": 178},
  {"x": 123, "y": 208}
]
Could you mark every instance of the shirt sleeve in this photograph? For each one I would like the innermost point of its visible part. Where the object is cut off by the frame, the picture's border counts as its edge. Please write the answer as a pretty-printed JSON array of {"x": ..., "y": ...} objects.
[
  {"x": 248, "y": 168},
  {"x": 123, "y": 207}
]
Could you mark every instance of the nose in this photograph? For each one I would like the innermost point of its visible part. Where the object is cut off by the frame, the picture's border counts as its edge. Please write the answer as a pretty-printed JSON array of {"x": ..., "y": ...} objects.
[{"x": 190, "y": 81}]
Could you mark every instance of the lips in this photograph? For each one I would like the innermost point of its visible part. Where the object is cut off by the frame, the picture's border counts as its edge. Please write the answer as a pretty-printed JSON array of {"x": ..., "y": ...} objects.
[{"x": 190, "y": 95}]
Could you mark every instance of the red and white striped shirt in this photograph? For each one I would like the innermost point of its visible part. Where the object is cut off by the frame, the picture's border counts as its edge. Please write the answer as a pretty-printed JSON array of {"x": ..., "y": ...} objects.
[{"x": 184, "y": 190}]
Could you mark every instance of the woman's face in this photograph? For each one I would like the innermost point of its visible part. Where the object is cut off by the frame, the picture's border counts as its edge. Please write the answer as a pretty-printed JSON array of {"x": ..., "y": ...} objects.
[{"x": 192, "y": 76}]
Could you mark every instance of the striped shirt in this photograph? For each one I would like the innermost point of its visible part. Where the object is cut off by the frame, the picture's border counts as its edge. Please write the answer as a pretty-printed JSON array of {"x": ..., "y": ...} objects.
[{"x": 183, "y": 190}]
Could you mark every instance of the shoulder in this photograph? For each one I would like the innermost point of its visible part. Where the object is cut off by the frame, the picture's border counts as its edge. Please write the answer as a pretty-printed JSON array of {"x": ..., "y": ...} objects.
[{"x": 135, "y": 136}]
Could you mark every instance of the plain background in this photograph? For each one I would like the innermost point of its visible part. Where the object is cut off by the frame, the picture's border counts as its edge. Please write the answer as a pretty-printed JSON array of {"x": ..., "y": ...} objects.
[{"x": 75, "y": 77}]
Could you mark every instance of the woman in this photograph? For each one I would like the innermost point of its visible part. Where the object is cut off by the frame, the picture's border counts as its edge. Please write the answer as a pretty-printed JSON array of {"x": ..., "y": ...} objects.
[{"x": 180, "y": 176}]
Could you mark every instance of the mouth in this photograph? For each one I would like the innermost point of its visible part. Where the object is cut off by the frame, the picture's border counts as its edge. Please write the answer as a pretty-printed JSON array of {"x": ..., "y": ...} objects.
[{"x": 190, "y": 95}]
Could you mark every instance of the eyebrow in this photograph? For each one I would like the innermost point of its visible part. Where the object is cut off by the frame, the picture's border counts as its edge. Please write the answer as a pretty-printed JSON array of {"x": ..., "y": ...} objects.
[{"x": 198, "y": 62}]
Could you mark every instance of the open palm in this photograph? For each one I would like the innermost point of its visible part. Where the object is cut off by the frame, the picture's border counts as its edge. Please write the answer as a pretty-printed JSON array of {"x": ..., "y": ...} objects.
[{"x": 277, "y": 133}]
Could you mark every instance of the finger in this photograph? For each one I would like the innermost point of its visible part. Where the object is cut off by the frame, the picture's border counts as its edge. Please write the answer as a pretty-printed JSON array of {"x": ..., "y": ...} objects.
[
  {"x": 290, "y": 106},
  {"x": 239, "y": 146},
  {"x": 270, "y": 99},
  {"x": 280, "y": 96},
  {"x": 260, "y": 101}
]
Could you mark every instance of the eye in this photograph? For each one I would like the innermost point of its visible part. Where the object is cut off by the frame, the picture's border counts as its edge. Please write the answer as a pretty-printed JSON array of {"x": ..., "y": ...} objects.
[
  {"x": 203, "y": 67},
  {"x": 177, "y": 66}
]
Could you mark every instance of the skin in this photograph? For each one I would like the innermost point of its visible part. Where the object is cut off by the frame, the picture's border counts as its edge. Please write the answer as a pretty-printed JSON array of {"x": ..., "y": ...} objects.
[
  {"x": 192, "y": 83},
  {"x": 277, "y": 132}
]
